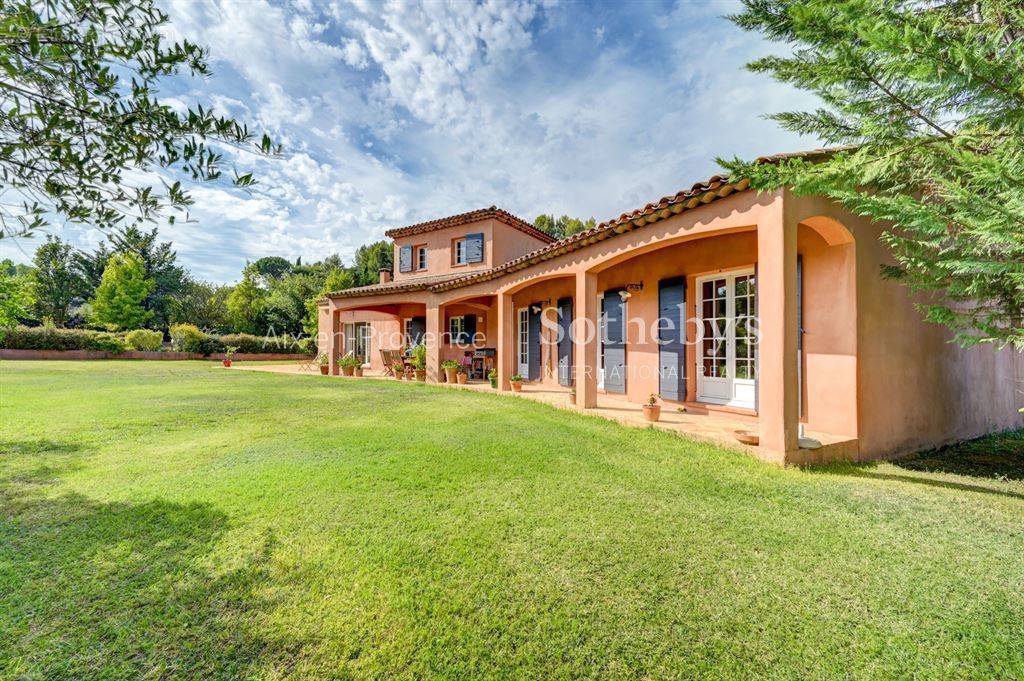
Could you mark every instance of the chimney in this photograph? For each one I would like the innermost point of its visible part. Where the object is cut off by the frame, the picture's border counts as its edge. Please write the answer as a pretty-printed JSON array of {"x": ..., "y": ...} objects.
[{"x": 385, "y": 276}]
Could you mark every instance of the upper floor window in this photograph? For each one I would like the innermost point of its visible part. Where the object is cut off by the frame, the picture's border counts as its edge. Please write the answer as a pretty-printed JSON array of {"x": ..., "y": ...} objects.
[
  {"x": 460, "y": 252},
  {"x": 421, "y": 257}
]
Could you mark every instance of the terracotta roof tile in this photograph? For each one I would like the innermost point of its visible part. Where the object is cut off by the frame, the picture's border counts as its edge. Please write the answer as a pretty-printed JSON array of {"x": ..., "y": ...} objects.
[
  {"x": 472, "y": 216},
  {"x": 399, "y": 286}
]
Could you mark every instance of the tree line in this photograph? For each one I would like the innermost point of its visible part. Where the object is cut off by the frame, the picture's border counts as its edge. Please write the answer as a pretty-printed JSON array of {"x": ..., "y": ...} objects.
[{"x": 134, "y": 281}]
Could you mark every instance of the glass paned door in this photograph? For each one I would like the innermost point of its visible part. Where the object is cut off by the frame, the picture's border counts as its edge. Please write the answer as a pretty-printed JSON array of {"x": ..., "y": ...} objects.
[
  {"x": 357, "y": 340},
  {"x": 523, "y": 343},
  {"x": 727, "y": 357}
]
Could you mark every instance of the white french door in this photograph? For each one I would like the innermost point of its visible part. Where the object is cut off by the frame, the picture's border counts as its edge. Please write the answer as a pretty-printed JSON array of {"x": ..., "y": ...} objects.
[
  {"x": 523, "y": 342},
  {"x": 727, "y": 354},
  {"x": 357, "y": 340}
]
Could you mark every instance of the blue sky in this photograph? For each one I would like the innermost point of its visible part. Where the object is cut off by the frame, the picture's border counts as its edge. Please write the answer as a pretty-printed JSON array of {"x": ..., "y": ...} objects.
[{"x": 392, "y": 113}]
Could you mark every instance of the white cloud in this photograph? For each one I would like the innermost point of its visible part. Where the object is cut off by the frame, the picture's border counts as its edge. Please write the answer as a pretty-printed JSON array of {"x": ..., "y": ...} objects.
[{"x": 394, "y": 112}]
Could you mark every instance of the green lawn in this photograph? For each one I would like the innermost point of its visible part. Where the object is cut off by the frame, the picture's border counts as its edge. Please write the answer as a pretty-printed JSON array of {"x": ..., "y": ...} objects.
[{"x": 168, "y": 519}]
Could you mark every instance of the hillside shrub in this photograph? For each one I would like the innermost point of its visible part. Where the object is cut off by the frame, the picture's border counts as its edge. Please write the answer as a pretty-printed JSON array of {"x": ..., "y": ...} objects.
[{"x": 144, "y": 339}]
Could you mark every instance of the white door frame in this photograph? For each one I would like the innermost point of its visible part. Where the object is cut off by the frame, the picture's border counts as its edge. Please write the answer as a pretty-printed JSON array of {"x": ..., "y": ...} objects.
[
  {"x": 727, "y": 390},
  {"x": 523, "y": 341}
]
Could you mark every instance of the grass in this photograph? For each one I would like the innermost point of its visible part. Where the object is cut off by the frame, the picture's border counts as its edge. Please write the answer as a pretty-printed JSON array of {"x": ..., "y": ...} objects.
[{"x": 165, "y": 519}]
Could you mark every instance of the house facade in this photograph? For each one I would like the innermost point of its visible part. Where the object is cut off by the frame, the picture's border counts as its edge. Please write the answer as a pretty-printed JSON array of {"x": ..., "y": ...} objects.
[{"x": 717, "y": 298}]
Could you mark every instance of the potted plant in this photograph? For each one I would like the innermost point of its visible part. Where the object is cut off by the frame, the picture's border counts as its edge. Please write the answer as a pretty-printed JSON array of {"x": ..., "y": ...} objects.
[
  {"x": 451, "y": 367},
  {"x": 228, "y": 351},
  {"x": 359, "y": 370},
  {"x": 419, "y": 362},
  {"x": 492, "y": 376},
  {"x": 348, "y": 365},
  {"x": 410, "y": 373},
  {"x": 516, "y": 381},
  {"x": 652, "y": 410},
  {"x": 398, "y": 369},
  {"x": 572, "y": 395},
  {"x": 325, "y": 363},
  {"x": 462, "y": 376}
]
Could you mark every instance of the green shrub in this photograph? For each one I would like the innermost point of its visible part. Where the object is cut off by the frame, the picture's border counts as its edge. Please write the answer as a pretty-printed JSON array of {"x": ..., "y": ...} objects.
[
  {"x": 419, "y": 357},
  {"x": 186, "y": 337},
  {"x": 49, "y": 338},
  {"x": 308, "y": 346},
  {"x": 350, "y": 360},
  {"x": 209, "y": 345},
  {"x": 144, "y": 339},
  {"x": 247, "y": 343}
]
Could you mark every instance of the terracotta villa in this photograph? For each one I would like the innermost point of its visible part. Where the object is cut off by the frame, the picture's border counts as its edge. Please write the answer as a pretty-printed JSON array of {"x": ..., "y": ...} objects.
[{"x": 678, "y": 289}]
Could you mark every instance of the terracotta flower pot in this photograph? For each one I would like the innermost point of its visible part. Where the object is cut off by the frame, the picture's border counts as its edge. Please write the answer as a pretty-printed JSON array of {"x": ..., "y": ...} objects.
[
  {"x": 572, "y": 398},
  {"x": 348, "y": 371},
  {"x": 652, "y": 412},
  {"x": 226, "y": 362},
  {"x": 409, "y": 374},
  {"x": 516, "y": 386},
  {"x": 462, "y": 378},
  {"x": 449, "y": 375},
  {"x": 324, "y": 369},
  {"x": 421, "y": 375},
  {"x": 359, "y": 371},
  {"x": 399, "y": 375}
]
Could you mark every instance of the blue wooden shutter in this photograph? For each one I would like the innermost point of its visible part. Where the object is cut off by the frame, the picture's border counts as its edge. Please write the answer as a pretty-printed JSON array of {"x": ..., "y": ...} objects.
[
  {"x": 474, "y": 248},
  {"x": 565, "y": 342},
  {"x": 405, "y": 259},
  {"x": 614, "y": 343},
  {"x": 533, "y": 339},
  {"x": 672, "y": 339}
]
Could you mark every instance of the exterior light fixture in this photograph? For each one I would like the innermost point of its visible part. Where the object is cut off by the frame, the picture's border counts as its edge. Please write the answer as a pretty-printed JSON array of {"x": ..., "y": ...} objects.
[{"x": 630, "y": 289}]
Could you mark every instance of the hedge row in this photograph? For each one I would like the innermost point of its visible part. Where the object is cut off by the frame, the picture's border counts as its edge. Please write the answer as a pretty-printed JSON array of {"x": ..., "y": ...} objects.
[
  {"x": 189, "y": 338},
  {"x": 184, "y": 337},
  {"x": 46, "y": 338}
]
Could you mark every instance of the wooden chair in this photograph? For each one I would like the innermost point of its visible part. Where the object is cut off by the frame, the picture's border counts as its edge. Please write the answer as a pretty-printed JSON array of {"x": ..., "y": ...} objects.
[
  {"x": 310, "y": 364},
  {"x": 390, "y": 359}
]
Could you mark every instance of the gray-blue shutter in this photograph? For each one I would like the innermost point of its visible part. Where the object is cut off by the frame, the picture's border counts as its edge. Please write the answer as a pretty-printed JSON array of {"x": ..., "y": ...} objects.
[
  {"x": 474, "y": 248},
  {"x": 672, "y": 339},
  {"x": 614, "y": 343},
  {"x": 565, "y": 342},
  {"x": 405, "y": 259},
  {"x": 418, "y": 329},
  {"x": 533, "y": 339}
]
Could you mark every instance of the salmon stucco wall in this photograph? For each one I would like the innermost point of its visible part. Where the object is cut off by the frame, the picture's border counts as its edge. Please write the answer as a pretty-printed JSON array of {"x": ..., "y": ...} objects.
[
  {"x": 501, "y": 244},
  {"x": 917, "y": 388}
]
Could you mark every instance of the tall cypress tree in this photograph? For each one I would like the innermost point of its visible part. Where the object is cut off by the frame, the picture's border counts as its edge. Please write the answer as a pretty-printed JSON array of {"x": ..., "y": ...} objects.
[{"x": 926, "y": 101}]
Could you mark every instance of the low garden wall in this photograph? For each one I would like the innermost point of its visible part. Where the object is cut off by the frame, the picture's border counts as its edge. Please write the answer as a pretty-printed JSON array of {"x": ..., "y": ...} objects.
[{"x": 137, "y": 354}]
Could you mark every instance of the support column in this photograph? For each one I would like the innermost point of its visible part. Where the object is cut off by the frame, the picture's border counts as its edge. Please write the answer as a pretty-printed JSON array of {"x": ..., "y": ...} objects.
[
  {"x": 506, "y": 340},
  {"x": 336, "y": 344},
  {"x": 777, "y": 383},
  {"x": 586, "y": 336},
  {"x": 433, "y": 339}
]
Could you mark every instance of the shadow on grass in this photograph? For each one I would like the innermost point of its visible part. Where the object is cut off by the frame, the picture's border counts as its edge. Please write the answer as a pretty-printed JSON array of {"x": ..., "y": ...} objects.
[
  {"x": 994, "y": 458},
  {"x": 125, "y": 590}
]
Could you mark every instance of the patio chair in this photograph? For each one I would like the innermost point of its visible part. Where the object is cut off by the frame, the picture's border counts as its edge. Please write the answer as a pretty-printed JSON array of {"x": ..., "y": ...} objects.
[
  {"x": 310, "y": 364},
  {"x": 390, "y": 359}
]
